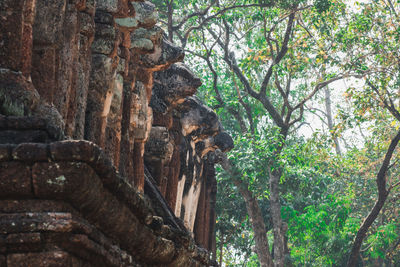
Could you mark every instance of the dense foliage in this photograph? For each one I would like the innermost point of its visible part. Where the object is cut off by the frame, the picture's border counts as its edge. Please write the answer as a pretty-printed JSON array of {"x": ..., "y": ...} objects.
[{"x": 310, "y": 92}]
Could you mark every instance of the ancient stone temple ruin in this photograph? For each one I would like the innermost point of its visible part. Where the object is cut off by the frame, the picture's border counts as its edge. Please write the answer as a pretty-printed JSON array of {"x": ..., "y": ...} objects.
[{"x": 106, "y": 156}]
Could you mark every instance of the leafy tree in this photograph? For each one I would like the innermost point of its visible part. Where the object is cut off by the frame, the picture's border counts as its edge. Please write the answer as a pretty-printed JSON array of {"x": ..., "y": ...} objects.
[{"x": 262, "y": 63}]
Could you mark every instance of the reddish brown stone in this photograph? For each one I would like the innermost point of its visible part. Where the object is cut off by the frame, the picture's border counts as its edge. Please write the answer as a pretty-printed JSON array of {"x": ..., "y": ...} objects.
[
  {"x": 44, "y": 72},
  {"x": 95, "y": 253},
  {"x": 162, "y": 120},
  {"x": 5, "y": 152},
  {"x": 67, "y": 59},
  {"x": 125, "y": 165},
  {"x": 49, "y": 20},
  {"x": 200, "y": 222},
  {"x": 35, "y": 222},
  {"x": 26, "y": 136},
  {"x": 82, "y": 205},
  {"x": 18, "y": 94},
  {"x": 17, "y": 137},
  {"x": 26, "y": 51},
  {"x": 172, "y": 179},
  {"x": 23, "y": 238},
  {"x": 3, "y": 261},
  {"x": 138, "y": 166},
  {"x": 25, "y": 123},
  {"x": 34, "y": 205},
  {"x": 61, "y": 179},
  {"x": 30, "y": 152},
  {"x": 2, "y": 246},
  {"x": 15, "y": 179},
  {"x": 74, "y": 150},
  {"x": 24, "y": 242},
  {"x": 45, "y": 259},
  {"x": 15, "y": 33},
  {"x": 3, "y": 122},
  {"x": 101, "y": 87}
]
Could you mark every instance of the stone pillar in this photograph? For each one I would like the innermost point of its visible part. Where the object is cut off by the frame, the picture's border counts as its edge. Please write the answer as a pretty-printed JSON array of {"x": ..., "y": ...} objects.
[{"x": 16, "y": 22}]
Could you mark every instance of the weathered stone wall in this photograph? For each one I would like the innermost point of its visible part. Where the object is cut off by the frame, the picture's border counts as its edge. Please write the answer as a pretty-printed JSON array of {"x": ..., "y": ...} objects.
[
  {"x": 101, "y": 71},
  {"x": 52, "y": 215}
]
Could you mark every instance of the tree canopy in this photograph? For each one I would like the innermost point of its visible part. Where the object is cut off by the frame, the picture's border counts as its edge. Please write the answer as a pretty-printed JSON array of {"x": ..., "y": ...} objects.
[{"x": 310, "y": 92}]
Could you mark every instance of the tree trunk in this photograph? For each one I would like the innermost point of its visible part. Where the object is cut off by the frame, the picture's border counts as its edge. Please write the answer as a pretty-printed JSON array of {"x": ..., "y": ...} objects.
[
  {"x": 279, "y": 235},
  {"x": 362, "y": 232},
  {"x": 328, "y": 107},
  {"x": 170, "y": 20},
  {"x": 255, "y": 214},
  {"x": 257, "y": 222},
  {"x": 221, "y": 248},
  {"x": 382, "y": 196}
]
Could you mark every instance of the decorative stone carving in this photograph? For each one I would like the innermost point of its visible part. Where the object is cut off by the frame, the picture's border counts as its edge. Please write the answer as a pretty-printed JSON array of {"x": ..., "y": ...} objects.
[{"x": 101, "y": 71}]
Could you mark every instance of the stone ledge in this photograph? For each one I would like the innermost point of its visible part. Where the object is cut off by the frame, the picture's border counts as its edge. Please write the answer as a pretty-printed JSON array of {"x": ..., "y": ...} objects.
[
  {"x": 29, "y": 127},
  {"x": 79, "y": 173},
  {"x": 41, "y": 231}
]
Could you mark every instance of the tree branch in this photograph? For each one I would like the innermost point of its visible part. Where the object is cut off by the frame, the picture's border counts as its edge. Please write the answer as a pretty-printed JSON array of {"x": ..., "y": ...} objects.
[
  {"x": 382, "y": 195},
  {"x": 280, "y": 54},
  {"x": 392, "y": 109}
]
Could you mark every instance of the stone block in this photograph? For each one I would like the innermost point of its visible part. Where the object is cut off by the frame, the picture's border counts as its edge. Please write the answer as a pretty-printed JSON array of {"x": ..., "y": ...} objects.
[
  {"x": 49, "y": 28},
  {"x": 105, "y": 31},
  {"x": 15, "y": 179},
  {"x": 128, "y": 22},
  {"x": 30, "y": 152},
  {"x": 44, "y": 67},
  {"x": 25, "y": 123},
  {"x": 160, "y": 119},
  {"x": 146, "y": 13},
  {"x": 153, "y": 34},
  {"x": 103, "y": 17},
  {"x": 5, "y": 151},
  {"x": 44, "y": 259},
  {"x": 107, "y": 5},
  {"x": 163, "y": 56},
  {"x": 65, "y": 180},
  {"x": 13, "y": 223},
  {"x": 17, "y": 137},
  {"x": 24, "y": 242},
  {"x": 101, "y": 79},
  {"x": 86, "y": 24},
  {"x": 66, "y": 58},
  {"x": 16, "y": 34},
  {"x": 17, "y": 95},
  {"x": 142, "y": 44},
  {"x": 103, "y": 46},
  {"x": 2, "y": 249},
  {"x": 173, "y": 85},
  {"x": 3, "y": 261},
  {"x": 105, "y": 39},
  {"x": 23, "y": 238},
  {"x": 34, "y": 205},
  {"x": 3, "y": 122},
  {"x": 77, "y": 150}
]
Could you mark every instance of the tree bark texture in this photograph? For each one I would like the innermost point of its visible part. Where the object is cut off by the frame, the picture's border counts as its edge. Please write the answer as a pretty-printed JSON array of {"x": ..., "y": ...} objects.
[
  {"x": 328, "y": 107},
  {"x": 255, "y": 214},
  {"x": 257, "y": 221},
  {"x": 279, "y": 236}
]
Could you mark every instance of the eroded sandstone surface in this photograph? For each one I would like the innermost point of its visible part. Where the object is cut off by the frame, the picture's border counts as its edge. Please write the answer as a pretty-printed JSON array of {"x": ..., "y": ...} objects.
[{"x": 106, "y": 155}]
